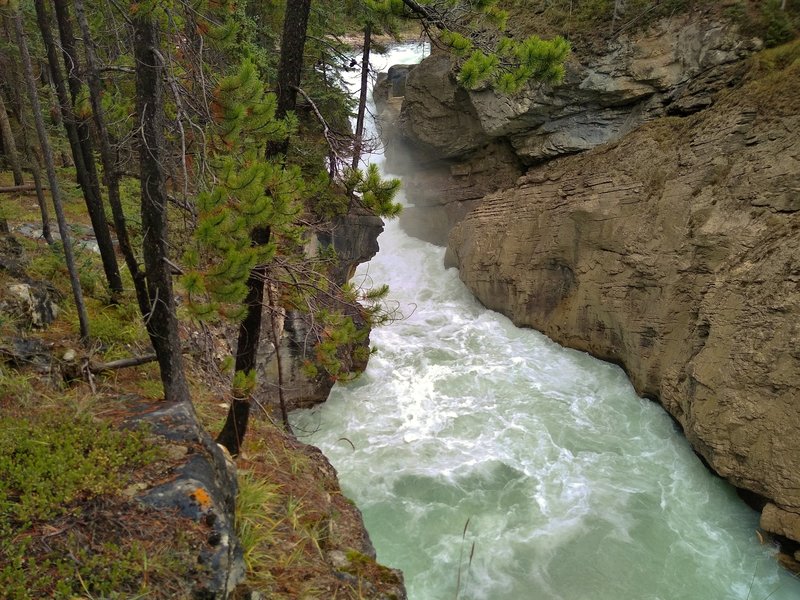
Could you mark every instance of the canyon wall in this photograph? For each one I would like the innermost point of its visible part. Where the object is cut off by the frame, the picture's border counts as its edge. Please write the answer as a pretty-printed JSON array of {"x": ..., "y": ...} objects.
[
  {"x": 676, "y": 253},
  {"x": 458, "y": 145},
  {"x": 646, "y": 211}
]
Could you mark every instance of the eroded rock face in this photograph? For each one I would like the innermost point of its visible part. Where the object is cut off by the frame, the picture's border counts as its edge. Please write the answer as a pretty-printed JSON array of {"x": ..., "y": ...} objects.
[
  {"x": 354, "y": 240},
  {"x": 675, "y": 252},
  {"x": 443, "y": 131}
]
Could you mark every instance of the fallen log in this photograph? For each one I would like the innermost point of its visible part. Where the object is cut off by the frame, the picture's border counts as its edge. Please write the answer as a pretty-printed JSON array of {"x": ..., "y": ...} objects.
[
  {"x": 122, "y": 363},
  {"x": 11, "y": 189}
]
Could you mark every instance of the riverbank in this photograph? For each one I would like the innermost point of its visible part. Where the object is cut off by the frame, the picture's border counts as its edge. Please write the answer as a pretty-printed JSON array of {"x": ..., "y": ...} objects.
[{"x": 157, "y": 513}]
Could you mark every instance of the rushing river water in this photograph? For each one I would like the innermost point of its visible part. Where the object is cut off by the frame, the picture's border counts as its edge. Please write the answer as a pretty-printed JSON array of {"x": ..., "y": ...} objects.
[{"x": 570, "y": 486}]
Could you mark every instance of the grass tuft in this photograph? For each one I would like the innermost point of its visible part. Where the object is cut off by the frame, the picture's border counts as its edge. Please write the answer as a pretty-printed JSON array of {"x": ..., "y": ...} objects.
[{"x": 254, "y": 505}]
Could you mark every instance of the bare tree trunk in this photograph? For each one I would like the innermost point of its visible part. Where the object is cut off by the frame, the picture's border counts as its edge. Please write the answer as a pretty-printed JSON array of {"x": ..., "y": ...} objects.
[
  {"x": 78, "y": 135},
  {"x": 32, "y": 161},
  {"x": 9, "y": 145},
  {"x": 110, "y": 171},
  {"x": 290, "y": 69},
  {"x": 362, "y": 99},
  {"x": 51, "y": 175},
  {"x": 41, "y": 200},
  {"x": 161, "y": 319}
]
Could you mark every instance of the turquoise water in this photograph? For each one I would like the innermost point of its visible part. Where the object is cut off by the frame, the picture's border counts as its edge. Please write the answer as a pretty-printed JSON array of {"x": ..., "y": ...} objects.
[{"x": 570, "y": 486}]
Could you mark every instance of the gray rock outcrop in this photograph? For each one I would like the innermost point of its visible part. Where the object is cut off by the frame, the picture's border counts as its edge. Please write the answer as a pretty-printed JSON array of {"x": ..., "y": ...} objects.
[
  {"x": 353, "y": 240},
  {"x": 29, "y": 302},
  {"x": 202, "y": 487},
  {"x": 675, "y": 252}
]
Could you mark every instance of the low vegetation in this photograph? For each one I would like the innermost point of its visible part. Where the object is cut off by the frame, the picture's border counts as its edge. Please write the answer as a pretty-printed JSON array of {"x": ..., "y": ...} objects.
[{"x": 70, "y": 526}]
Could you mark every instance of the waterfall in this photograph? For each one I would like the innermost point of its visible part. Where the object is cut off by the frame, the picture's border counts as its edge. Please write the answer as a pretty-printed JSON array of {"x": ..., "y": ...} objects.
[{"x": 491, "y": 463}]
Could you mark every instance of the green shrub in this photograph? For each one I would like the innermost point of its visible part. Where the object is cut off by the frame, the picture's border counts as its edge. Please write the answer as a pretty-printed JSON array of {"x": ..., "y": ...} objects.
[
  {"x": 777, "y": 26},
  {"x": 48, "y": 463},
  {"x": 767, "y": 20},
  {"x": 51, "y": 469}
]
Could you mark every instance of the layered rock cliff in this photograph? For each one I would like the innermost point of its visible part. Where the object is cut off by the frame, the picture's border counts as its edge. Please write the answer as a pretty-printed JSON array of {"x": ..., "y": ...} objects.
[
  {"x": 675, "y": 252},
  {"x": 460, "y": 145}
]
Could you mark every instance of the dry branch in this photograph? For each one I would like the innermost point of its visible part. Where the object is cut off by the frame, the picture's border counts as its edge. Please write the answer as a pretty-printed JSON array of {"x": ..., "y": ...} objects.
[{"x": 122, "y": 363}]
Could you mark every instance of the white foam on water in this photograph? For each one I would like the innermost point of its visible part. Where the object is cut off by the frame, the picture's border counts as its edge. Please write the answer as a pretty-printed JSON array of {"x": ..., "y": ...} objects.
[{"x": 574, "y": 487}]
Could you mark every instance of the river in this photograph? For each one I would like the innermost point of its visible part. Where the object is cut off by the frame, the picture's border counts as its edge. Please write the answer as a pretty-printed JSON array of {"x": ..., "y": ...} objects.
[{"x": 491, "y": 463}]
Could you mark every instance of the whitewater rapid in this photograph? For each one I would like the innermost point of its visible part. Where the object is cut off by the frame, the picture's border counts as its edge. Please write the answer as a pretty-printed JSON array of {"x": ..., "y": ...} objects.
[{"x": 491, "y": 463}]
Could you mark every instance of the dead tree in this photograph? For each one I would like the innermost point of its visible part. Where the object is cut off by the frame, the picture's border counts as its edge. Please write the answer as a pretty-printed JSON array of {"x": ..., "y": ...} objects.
[
  {"x": 78, "y": 134},
  {"x": 47, "y": 152},
  {"x": 161, "y": 318}
]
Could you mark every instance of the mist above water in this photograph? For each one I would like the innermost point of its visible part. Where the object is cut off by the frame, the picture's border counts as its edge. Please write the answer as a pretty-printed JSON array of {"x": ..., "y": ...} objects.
[{"x": 572, "y": 487}]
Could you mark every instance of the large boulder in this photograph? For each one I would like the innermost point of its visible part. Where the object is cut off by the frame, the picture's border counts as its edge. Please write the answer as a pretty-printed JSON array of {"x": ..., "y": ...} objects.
[
  {"x": 675, "y": 252},
  {"x": 26, "y": 301},
  {"x": 438, "y": 120},
  {"x": 202, "y": 487},
  {"x": 31, "y": 304},
  {"x": 391, "y": 84}
]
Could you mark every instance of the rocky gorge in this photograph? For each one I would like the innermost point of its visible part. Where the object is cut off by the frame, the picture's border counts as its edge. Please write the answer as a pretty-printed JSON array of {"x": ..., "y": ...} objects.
[{"x": 645, "y": 211}]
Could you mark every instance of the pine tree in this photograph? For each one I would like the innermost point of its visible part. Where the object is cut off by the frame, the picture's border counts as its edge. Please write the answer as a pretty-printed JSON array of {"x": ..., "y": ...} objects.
[
  {"x": 289, "y": 73},
  {"x": 248, "y": 192},
  {"x": 161, "y": 319}
]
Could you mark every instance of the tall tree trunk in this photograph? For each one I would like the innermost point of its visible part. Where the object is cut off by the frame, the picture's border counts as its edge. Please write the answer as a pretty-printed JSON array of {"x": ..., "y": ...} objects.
[
  {"x": 362, "y": 98},
  {"x": 233, "y": 431},
  {"x": 32, "y": 161},
  {"x": 290, "y": 69},
  {"x": 161, "y": 319},
  {"x": 78, "y": 135},
  {"x": 107, "y": 157},
  {"x": 9, "y": 145},
  {"x": 290, "y": 65},
  {"x": 51, "y": 175}
]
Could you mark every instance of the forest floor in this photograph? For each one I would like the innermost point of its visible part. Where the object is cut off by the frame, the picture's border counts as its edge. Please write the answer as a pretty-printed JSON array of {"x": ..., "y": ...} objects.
[{"x": 71, "y": 469}]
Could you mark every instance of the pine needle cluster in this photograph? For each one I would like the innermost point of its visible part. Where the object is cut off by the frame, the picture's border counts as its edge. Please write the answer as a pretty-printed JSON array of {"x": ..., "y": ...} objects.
[
  {"x": 374, "y": 192},
  {"x": 246, "y": 190}
]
